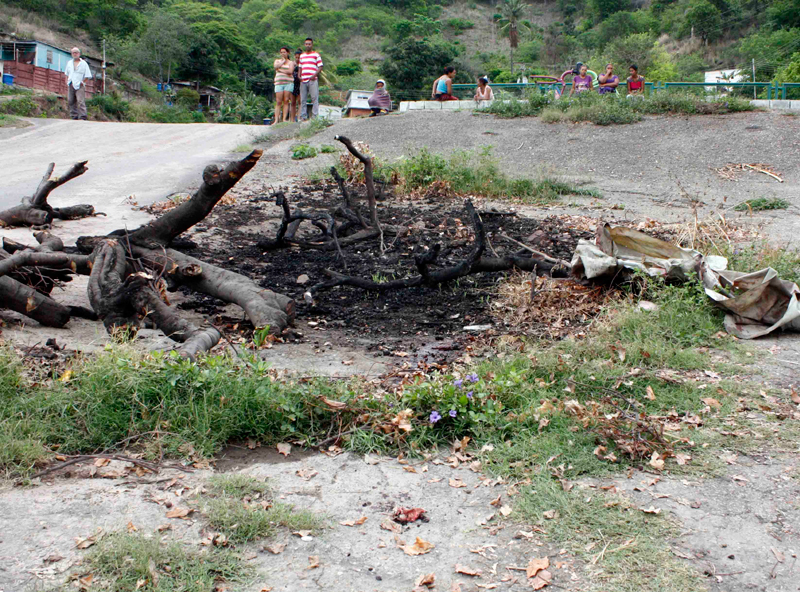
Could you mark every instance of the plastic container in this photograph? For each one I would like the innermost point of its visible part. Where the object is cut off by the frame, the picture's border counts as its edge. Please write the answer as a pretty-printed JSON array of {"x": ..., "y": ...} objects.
[
  {"x": 158, "y": 87},
  {"x": 267, "y": 121},
  {"x": 8, "y": 79}
]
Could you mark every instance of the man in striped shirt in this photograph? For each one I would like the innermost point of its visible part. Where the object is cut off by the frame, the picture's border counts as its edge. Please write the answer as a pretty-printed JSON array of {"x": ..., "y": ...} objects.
[{"x": 310, "y": 67}]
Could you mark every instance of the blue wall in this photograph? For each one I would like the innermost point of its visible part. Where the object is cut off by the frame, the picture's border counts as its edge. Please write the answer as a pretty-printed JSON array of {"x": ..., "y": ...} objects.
[{"x": 60, "y": 57}]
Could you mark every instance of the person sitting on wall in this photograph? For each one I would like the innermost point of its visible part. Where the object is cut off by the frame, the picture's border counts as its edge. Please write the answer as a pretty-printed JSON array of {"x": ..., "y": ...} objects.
[
  {"x": 608, "y": 81},
  {"x": 577, "y": 70},
  {"x": 483, "y": 92},
  {"x": 77, "y": 71},
  {"x": 635, "y": 83},
  {"x": 581, "y": 82},
  {"x": 443, "y": 86},
  {"x": 380, "y": 102}
]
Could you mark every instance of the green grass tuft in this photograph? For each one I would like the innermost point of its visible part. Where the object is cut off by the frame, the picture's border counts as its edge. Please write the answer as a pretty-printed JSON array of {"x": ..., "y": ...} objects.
[
  {"x": 242, "y": 522},
  {"x": 121, "y": 561},
  {"x": 302, "y": 151},
  {"x": 237, "y": 485},
  {"x": 760, "y": 204}
]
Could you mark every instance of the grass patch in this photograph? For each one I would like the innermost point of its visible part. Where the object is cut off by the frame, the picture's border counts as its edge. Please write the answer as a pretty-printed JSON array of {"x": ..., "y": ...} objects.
[
  {"x": 761, "y": 204},
  {"x": 242, "y": 508},
  {"x": 761, "y": 254},
  {"x": 244, "y": 148},
  {"x": 11, "y": 121},
  {"x": 313, "y": 127},
  {"x": 303, "y": 151},
  {"x": 121, "y": 561},
  {"x": 6, "y": 90},
  {"x": 328, "y": 149},
  {"x": 612, "y": 109},
  {"x": 237, "y": 485},
  {"x": 242, "y": 522},
  {"x": 471, "y": 173}
]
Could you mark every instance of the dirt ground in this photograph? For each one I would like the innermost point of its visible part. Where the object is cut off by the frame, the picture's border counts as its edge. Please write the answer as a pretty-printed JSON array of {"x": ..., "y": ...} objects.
[{"x": 735, "y": 527}]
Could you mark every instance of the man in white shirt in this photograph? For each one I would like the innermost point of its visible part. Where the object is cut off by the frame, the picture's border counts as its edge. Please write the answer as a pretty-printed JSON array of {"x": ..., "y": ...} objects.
[{"x": 77, "y": 71}]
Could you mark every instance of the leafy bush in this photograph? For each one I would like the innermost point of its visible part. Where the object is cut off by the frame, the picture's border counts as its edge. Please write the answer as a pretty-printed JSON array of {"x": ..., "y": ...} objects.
[
  {"x": 188, "y": 98},
  {"x": 459, "y": 25},
  {"x": 112, "y": 105},
  {"x": 530, "y": 105},
  {"x": 23, "y": 106},
  {"x": 328, "y": 149},
  {"x": 302, "y": 151},
  {"x": 348, "y": 67}
]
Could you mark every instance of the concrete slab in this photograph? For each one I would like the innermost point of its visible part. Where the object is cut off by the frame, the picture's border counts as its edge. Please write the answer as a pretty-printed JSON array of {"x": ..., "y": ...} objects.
[
  {"x": 416, "y": 105},
  {"x": 762, "y": 103},
  {"x": 431, "y": 105},
  {"x": 403, "y": 107},
  {"x": 451, "y": 105},
  {"x": 781, "y": 104}
]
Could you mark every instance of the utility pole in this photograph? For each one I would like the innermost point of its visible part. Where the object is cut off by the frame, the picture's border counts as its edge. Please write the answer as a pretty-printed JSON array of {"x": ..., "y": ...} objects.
[
  {"x": 754, "y": 77},
  {"x": 104, "y": 66}
]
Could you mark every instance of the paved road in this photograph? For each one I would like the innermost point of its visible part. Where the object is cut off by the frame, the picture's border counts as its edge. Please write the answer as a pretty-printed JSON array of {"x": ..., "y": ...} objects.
[{"x": 147, "y": 160}]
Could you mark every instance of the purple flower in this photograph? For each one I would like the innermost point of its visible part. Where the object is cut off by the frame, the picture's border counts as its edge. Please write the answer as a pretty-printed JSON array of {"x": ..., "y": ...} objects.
[
  {"x": 435, "y": 416},
  {"x": 453, "y": 413},
  {"x": 469, "y": 395},
  {"x": 473, "y": 377},
  {"x": 458, "y": 383}
]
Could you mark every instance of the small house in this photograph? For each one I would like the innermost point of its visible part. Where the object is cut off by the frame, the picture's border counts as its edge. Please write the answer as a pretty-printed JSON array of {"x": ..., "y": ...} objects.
[
  {"x": 356, "y": 103},
  {"x": 731, "y": 75},
  {"x": 36, "y": 64}
]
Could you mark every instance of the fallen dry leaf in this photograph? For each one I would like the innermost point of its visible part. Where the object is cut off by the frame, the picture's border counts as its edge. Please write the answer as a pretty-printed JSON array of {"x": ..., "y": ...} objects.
[
  {"x": 455, "y": 587},
  {"x": 179, "y": 512},
  {"x": 496, "y": 501},
  {"x": 682, "y": 458},
  {"x": 101, "y": 462},
  {"x": 391, "y": 526},
  {"x": 651, "y": 510},
  {"x": 313, "y": 561},
  {"x": 656, "y": 461},
  {"x": 795, "y": 396},
  {"x": 131, "y": 527},
  {"x": 371, "y": 460},
  {"x": 409, "y": 469},
  {"x": 276, "y": 548},
  {"x": 505, "y": 511},
  {"x": 468, "y": 571},
  {"x": 712, "y": 402},
  {"x": 650, "y": 394},
  {"x": 778, "y": 555},
  {"x": 54, "y": 558},
  {"x": 334, "y": 404},
  {"x": 85, "y": 543},
  {"x": 426, "y": 580},
  {"x": 550, "y": 514},
  {"x": 164, "y": 527},
  {"x": 419, "y": 547},
  {"x": 543, "y": 579},
  {"x": 457, "y": 483},
  {"x": 356, "y": 522},
  {"x": 266, "y": 589},
  {"x": 307, "y": 474},
  {"x": 535, "y": 565},
  {"x": 284, "y": 449},
  {"x": 301, "y": 533}
]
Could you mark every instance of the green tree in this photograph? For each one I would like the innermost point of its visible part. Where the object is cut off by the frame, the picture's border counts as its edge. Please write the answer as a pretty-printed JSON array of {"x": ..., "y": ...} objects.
[
  {"x": 296, "y": 12},
  {"x": 790, "y": 73},
  {"x": 412, "y": 64},
  {"x": 705, "y": 20},
  {"x": 784, "y": 14},
  {"x": 633, "y": 49},
  {"x": 602, "y": 9},
  {"x": 161, "y": 45},
  {"x": 511, "y": 14}
]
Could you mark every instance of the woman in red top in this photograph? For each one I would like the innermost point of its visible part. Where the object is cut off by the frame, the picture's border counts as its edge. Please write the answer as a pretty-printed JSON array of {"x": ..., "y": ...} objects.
[{"x": 635, "y": 82}]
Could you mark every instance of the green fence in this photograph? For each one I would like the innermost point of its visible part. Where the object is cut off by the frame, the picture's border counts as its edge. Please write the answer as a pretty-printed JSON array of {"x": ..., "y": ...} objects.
[{"x": 773, "y": 89}]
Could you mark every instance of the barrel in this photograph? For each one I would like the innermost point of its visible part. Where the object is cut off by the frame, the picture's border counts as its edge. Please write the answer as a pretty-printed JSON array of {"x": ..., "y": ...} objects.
[{"x": 8, "y": 79}]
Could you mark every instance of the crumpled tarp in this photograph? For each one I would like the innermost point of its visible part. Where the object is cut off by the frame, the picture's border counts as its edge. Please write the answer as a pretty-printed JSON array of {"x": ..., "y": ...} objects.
[
  {"x": 756, "y": 303},
  {"x": 619, "y": 248}
]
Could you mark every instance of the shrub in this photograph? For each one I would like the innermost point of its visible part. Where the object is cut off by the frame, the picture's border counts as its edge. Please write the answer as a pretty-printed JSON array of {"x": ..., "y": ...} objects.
[
  {"x": 24, "y": 106},
  {"x": 112, "y": 105},
  {"x": 302, "y": 151},
  {"x": 188, "y": 98},
  {"x": 348, "y": 67},
  {"x": 459, "y": 25}
]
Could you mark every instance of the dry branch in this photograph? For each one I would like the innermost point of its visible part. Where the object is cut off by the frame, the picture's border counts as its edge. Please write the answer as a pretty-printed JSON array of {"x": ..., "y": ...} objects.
[{"x": 35, "y": 211}]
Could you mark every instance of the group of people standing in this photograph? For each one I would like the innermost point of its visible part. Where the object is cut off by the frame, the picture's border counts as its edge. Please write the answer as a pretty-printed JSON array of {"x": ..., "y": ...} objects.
[{"x": 297, "y": 81}]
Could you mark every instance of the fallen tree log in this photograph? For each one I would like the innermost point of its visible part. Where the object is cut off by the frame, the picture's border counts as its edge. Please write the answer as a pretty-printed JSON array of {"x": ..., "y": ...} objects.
[{"x": 36, "y": 211}]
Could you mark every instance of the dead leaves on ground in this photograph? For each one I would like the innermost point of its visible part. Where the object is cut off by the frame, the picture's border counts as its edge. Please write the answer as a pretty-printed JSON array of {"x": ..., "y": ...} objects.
[
  {"x": 357, "y": 522},
  {"x": 419, "y": 547}
]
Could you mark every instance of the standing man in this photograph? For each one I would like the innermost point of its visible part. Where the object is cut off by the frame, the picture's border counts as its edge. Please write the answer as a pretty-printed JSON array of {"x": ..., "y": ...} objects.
[
  {"x": 310, "y": 67},
  {"x": 77, "y": 72}
]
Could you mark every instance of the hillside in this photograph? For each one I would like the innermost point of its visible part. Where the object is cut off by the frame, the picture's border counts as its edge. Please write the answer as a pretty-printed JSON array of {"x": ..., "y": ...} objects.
[{"x": 231, "y": 43}]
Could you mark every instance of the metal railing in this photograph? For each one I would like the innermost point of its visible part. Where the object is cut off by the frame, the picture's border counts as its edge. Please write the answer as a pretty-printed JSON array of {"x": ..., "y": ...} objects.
[{"x": 773, "y": 89}]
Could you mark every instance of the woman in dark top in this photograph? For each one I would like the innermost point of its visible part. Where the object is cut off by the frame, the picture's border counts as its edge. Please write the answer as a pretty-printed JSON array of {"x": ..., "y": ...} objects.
[{"x": 296, "y": 90}]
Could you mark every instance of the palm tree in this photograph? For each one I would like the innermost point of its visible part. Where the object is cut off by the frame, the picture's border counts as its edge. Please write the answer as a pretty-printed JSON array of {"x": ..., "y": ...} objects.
[{"x": 512, "y": 12}]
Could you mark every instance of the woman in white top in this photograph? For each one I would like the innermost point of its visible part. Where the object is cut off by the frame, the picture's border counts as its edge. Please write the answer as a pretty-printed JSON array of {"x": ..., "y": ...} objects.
[{"x": 484, "y": 91}]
